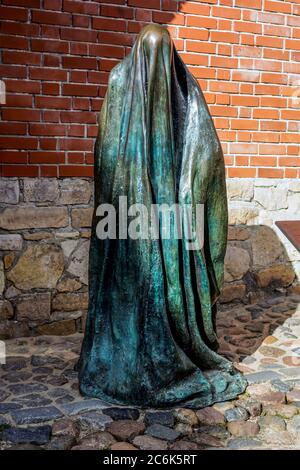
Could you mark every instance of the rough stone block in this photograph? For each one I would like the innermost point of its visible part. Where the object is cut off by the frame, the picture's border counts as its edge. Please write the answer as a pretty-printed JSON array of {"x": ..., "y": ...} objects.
[
  {"x": 9, "y": 191},
  {"x": 266, "y": 246},
  {"x": 272, "y": 198},
  {"x": 40, "y": 189},
  {"x": 36, "y": 415},
  {"x": 6, "y": 310},
  {"x": 243, "y": 428},
  {"x": 34, "y": 307},
  {"x": 58, "y": 328},
  {"x": 125, "y": 429},
  {"x": 237, "y": 263},
  {"x": 150, "y": 443},
  {"x": 40, "y": 266},
  {"x": 238, "y": 233},
  {"x": 11, "y": 242},
  {"x": 233, "y": 292},
  {"x": 76, "y": 191},
  {"x": 79, "y": 262},
  {"x": 240, "y": 190},
  {"x": 16, "y": 218},
  {"x": 242, "y": 213},
  {"x": 82, "y": 217},
  {"x": 35, "y": 435},
  {"x": 2, "y": 278},
  {"x": 70, "y": 301},
  {"x": 280, "y": 275}
]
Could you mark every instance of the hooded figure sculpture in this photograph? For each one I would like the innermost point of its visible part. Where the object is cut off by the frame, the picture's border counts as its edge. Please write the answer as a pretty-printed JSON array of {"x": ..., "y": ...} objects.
[{"x": 150, "y": 338}]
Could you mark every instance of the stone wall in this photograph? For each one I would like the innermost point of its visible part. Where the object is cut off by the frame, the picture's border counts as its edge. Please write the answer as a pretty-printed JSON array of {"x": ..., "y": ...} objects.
[
  {"x": 44, "y": 241},
  {"x": 259, "y": 257}
]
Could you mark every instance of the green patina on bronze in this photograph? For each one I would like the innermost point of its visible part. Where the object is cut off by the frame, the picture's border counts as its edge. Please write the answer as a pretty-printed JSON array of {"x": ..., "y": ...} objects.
[{"x": 150, "y": 339}]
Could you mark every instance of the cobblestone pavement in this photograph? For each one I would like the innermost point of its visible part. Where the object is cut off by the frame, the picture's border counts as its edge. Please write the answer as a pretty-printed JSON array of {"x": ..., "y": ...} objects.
[{"x": 40, "y": 406}]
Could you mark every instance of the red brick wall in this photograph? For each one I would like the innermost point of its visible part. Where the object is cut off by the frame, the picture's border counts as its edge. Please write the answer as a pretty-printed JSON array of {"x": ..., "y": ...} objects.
[{"x": 56, "y": 56}]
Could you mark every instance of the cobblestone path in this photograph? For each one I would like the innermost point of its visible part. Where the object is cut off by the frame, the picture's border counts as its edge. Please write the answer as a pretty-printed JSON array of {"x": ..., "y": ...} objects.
[{"x": 40, "y": 405}]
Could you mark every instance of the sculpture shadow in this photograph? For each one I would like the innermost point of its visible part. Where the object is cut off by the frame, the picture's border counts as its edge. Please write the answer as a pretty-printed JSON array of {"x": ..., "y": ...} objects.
[{"x": 269, "y": 299}]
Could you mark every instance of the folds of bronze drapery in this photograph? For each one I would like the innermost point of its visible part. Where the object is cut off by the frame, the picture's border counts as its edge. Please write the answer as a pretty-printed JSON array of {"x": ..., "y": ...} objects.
[{"x": 150, "y": 339}]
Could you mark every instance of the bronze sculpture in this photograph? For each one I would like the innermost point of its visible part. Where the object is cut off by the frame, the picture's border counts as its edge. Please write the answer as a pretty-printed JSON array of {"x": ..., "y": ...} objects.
[{"x": 150, "y": 339}]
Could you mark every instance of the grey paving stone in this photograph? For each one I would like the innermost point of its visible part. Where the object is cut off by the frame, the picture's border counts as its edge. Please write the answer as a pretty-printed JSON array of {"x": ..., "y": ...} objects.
[
  {"x": 122, "y": 413},
  {"x": 56, "y": 392},
  {"x": 292, "y": 372},
  {"x": 265, "y": 367},
  {"x": 25, "y": 389},
  {"x": 42, "y": 370},
  {"x": 236, "y": 414},
  {"x": 257, "y": 313},
  {"x": 36, "y": 415},
  {"x": 16, "y": 377},
  {"x": 150, "y": 443},
  {"x": 3, "y": 422},
  {"x": 275, "y": 422},
  {"x": 251, "y": 405},
  {"x": 281, "y": 309},
  {"x": 3, "y": 395},
  {"x": 166, "y": 418},
  {"x": 84, "y": 405},
  {"x": 64, "y": 399},
  {"x": 214, "y": 430},
  {"x": 94, "y": 420},
  {"x": 47, "y": 360},
  {"x": 206, "y": 440},
  {"x": 261, "y": 377},
  {"x": 71, "y": 374},
  {"x": 14, "y": 363},
  {"x": 61, "y": 443},
  {"x": 34, "y": 398},
  {"x": 249, "y": 360},
  {"x": 293, "y": 425},
  {"x": 57, "y": 380},
  {"x": 8, "y": 407},
  {"x": 162, "y": 432},
  {"x": 263, "y": 305},
  {"x": 35, "y": 435},
  {"x": 253, "y": 308},
  {"x": 243, "y": 443},
  {"x": 275, "y": 300},
  {"x": 257, "y": 327},
  {"x": 281, "y": 386}
]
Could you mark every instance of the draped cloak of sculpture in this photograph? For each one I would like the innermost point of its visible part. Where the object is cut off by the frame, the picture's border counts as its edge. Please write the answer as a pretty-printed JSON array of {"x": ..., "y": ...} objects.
[{"x": 150, "y": 339}]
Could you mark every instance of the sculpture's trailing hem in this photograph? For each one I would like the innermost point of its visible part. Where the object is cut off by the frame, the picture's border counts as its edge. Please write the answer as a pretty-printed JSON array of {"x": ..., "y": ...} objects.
[{"x": 235, "y": 388}]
